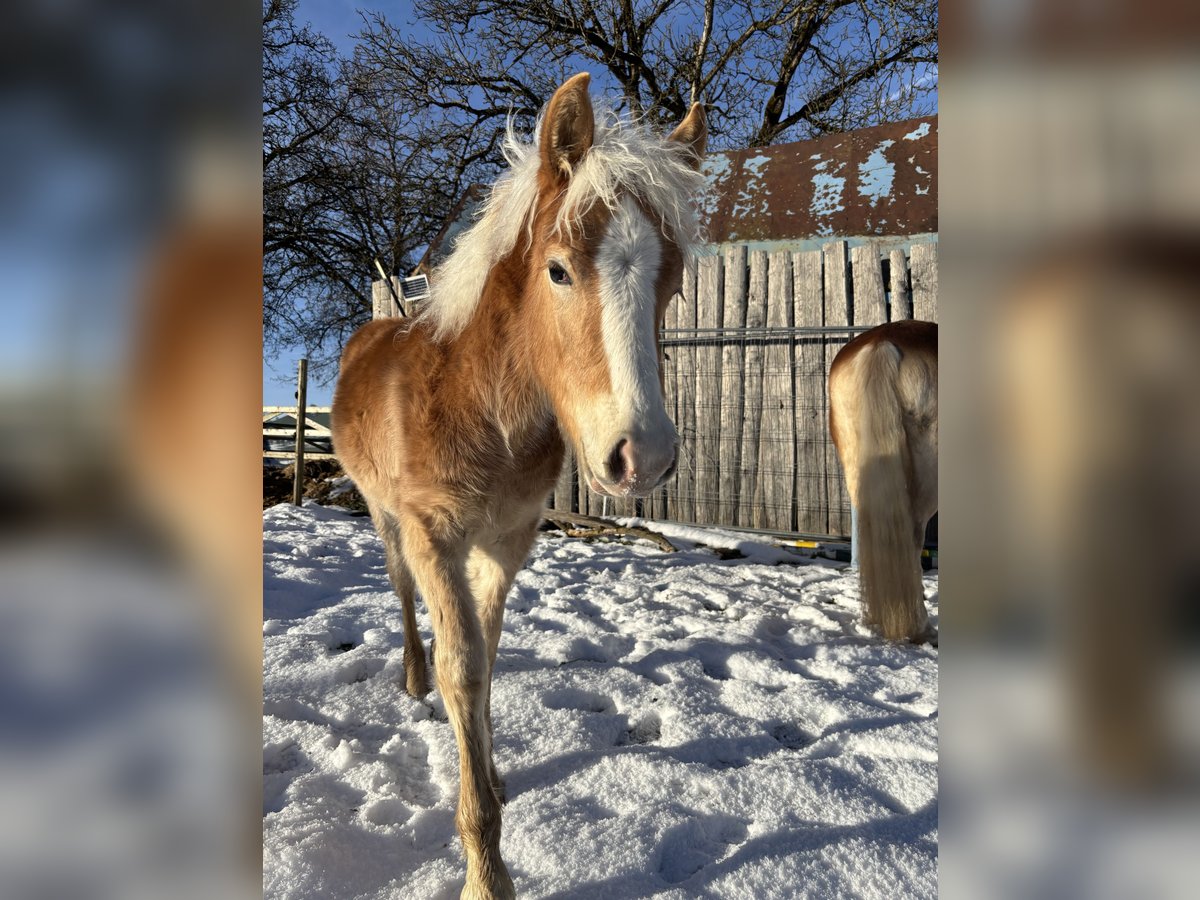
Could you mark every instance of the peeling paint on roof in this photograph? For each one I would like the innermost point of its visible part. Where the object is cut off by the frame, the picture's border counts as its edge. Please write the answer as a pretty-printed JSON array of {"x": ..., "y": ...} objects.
[
  {"x": 874, "y": 182},
  {"x": 827, "y": 194},
  {"x": 875, "y": 176},
  {"x": 919, "y": 132}
]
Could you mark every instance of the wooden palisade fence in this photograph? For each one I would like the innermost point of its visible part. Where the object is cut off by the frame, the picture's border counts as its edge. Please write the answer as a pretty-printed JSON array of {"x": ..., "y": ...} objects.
[{"x": 748, "y": 346}]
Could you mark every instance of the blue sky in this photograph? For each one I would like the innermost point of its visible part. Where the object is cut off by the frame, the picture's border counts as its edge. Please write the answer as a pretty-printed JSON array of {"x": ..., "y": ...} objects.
[{"x": 340, "y": 21}]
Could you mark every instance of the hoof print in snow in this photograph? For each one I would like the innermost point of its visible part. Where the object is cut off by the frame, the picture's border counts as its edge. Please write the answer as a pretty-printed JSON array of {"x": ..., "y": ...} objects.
[
  {"x": 716, "y": 669},
  {"x": 791, "y": 737},
  {"x": 388, "y": 811},
  {"x": 359, "y": 671},
  {"x": 690, "y": 846},
  {"x": 341, "y": 640},
  {"x": 584, "y": 701},
  {"x": 644, "y": 730},
  {"x": 721, "y": 763}
]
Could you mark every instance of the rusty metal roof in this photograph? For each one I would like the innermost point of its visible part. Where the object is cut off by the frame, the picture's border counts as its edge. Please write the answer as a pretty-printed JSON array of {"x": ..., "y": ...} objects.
[{"x": 873, "y": 182}]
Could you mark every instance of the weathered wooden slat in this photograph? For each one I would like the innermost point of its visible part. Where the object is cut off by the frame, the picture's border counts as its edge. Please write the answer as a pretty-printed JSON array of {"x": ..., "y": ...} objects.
[
  {"x": 812, "y": 493},
  {"x": 709, "y": 305},
  {"x": 925, "y": 282},
  {"x": 310, "y": 427},
  {"x": 729, "y": 453},
  {"x": 777, "y": 432},
  {"x": 291, "y": 410},
  {"x": 756, "y": 318},
  {"x": 671, "y": 392},
  {"x": 663, "y": 497},
  {"x": 289, "y": 431},
  {"x": 380, "y": 304},
  {"x": 685, "y": 423},
  {"x": 901, "y": 305},
  {"x": 837, "y": 313},
  {"x": 583, "y": 493},
  {"x": 563, "y": 497},
  {"x": 870, "y": 305},
  {"x": 288, "y": 454}
]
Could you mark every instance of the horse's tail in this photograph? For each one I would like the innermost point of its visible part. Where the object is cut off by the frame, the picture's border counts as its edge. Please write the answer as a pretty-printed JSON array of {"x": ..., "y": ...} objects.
[{"x": 888, "y": 543}]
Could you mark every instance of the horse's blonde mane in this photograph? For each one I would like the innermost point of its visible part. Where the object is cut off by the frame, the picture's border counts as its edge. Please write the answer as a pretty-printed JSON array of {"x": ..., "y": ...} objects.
[{"x": 625, "y": 156}]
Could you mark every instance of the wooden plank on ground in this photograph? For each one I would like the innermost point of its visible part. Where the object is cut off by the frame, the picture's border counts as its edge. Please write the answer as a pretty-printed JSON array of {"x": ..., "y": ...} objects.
[
  {"x": 812, "y": 499},
  {"x": 709, "y": 301},
  {"x": 925, "y": 282},
  {"x": 756, "y": 320},
  {"x": 870, "y": 305},
  {"x": 733, "y": 375},
  {"x": 837, "y": 313},
  {"x": 777, "y": 433},
  {"x": 901, "y": 305}
]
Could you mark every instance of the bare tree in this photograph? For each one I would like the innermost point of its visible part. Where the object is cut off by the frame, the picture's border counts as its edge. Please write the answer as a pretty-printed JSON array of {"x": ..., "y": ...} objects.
[
  {"x": 769, "y": 70},
  {"x": 364, "y": 158},
  {"x": 347, "y": 180}
]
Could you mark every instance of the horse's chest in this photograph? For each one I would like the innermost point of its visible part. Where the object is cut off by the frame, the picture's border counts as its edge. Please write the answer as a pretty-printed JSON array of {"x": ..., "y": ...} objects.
[{"x": 530, "y": 462}]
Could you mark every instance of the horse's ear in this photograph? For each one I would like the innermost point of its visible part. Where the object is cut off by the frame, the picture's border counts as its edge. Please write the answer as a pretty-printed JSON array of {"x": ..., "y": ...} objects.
[
  {"x": 568, "y": 127},
  {"x": 692, "y": 132}
]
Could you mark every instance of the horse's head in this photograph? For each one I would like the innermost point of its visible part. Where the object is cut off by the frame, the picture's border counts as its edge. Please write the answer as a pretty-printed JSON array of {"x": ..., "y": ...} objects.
[{"x": 605, "y": 257}]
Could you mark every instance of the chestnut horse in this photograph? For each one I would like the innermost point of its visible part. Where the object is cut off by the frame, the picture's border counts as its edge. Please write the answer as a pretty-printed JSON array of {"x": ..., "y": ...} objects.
[
  {"x": 541, "y": 328},
  {"x": 883, "y": 415}
]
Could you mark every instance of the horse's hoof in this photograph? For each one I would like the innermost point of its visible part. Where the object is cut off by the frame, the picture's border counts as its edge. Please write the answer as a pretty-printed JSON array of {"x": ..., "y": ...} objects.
[
  {"x": 417, "y": 687},
  {"x": 501, "y": 889},
  {"x": 927, "y": 635}
]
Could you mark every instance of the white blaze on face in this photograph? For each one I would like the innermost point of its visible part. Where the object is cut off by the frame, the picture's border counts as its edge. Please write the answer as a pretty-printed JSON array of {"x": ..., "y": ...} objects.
[{"x": 628, "y": 263}]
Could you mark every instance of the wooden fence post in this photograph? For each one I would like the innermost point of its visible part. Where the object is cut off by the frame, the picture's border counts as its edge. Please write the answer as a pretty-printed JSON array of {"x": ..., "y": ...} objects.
[
  {"x": 812, "y": 499},
  {"x": 925, "y": 282},
  {"x": 837, "y": 315},
  {"x": 732, "y": 385},
  {"x": 901, "y": 306},
  {"x": 301, "y": 409},
  {"x": 707, "y": 379}
]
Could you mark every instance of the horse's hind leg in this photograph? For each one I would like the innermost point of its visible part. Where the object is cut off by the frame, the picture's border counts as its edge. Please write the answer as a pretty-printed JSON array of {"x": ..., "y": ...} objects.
[{"x": 415, "y": 670}]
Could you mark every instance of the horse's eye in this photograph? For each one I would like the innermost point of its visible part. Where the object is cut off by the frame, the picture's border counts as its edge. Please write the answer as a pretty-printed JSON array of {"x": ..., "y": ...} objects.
[{"x": 558, "y": 274}]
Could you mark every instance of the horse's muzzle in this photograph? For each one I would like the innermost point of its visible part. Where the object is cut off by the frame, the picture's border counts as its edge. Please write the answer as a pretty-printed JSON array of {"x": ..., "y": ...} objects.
[{"x": 634, "y": 469}]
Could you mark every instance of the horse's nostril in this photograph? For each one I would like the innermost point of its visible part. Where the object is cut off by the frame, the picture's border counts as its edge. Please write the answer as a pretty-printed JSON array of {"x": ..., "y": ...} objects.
[
  {"x": 616, "y": 463},
  {"x": 621, "y": 462}
]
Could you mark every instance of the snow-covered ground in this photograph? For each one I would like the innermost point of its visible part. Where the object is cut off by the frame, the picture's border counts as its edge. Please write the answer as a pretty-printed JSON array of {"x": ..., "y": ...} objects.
[{"x": 669, "y": 725}]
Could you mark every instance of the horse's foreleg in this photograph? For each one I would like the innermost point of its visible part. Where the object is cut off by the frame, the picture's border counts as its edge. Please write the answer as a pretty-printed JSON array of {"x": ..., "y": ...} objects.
[
  {"x": 492, "y": 566},
  {"x": 462, "y": 674},
  {"x": 415, "y": 671}
]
